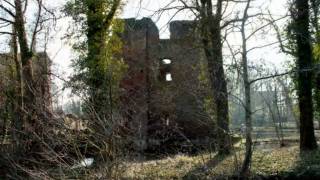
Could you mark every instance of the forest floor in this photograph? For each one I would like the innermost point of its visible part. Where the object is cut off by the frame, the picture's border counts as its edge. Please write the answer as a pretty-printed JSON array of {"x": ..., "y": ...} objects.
[{"x": 271, "y": 163}]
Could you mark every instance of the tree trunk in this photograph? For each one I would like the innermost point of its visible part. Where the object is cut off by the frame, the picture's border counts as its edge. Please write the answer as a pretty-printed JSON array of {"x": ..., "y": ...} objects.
[
  {"x": 305, "y": 76},
  {"x": 99, "y": 22},
  {"x": 218, "y": 82},
  {"x": 317, "y": 96},
  {"x": 29, "y": 115},
  {"x": 18, "y": 105},
  {"x": 273, "y": 116},
  {"x": 248, "y": 120},
  {"x": 211, "y": 38},
  {"x": 98, "y": 29},
  {"x": 245, "y": 169},
  {"x": 278, "y": 117},
  {"x": 289, "y": 103}
]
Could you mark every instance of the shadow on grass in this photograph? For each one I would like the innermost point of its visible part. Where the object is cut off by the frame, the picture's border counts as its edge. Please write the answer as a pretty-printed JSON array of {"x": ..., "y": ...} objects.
[
  {"x": 307, "y": 167},
  {"x": 202, "y": 170}
]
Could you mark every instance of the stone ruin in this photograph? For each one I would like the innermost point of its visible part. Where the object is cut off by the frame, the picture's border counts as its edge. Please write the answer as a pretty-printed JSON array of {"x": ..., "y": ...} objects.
[
  {"x": 162, "y": 97},
  {"x": 41, "y": 64}
]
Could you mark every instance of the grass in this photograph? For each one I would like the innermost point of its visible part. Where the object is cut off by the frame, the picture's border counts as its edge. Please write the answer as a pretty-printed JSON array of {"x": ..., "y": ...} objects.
[
  {"x": 287, "y": 162},
  {"x": 279, "y": 161}
]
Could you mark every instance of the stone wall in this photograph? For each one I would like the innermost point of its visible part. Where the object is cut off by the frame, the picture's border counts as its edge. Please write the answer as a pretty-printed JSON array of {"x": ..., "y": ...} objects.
[
  {"x": 139, "y": 52},
  {"x": 152, "y": 103},
  {"x": 8, "y": 84},
  {"x": 41, "y": 69}
]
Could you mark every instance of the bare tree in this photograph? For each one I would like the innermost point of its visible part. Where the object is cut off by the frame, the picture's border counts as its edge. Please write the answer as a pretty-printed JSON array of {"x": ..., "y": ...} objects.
[
  {"x": 14, "y": 16},
  {"x": 246, "y": 81},
  {"x": 288, "y": 101},
  {"x": 274, "y": 111},
  {"x": 246, "y": 35}
]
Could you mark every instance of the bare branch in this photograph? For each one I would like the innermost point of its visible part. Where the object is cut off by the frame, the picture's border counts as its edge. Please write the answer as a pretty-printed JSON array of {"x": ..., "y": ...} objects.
[
  {"x": 7, "y": 10},
  {"x": 9, "y": 3},
  {"x": 272, "y": 76},
  {"x": 262, "y": 46},
  {"x": 227, "y": 23},
  {"x": 6, "y": 20},
  {"x": 263, "y": 26},
  {"x": 5, "y": 32},
  {"x": 316, "y": 67},
  {"x": 35, "y": 31},
  {"x": 277, "y": 30},
  {"x": 112, "y": 12}
]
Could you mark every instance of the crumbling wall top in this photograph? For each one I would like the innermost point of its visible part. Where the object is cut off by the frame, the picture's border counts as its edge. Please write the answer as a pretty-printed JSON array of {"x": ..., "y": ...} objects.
[
  {"x": 133, "y": 24},
  {"x": 182, "y": 29}
]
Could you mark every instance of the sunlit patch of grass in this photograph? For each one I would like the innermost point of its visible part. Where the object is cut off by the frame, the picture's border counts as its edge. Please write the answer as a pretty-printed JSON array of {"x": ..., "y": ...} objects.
[
  {"x": 279, "y": 161},
  {"x": 182, "y": 166},
  {"x": 168, "y": 168}
]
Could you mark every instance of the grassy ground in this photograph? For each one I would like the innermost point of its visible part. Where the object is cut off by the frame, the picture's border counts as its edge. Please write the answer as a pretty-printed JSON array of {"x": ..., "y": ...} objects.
[
  {"x": 284, "y": 162},
  {"x": 268, "y": 163}
]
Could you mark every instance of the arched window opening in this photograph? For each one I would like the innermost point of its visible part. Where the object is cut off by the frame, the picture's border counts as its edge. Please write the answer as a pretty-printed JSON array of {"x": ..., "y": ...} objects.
[
  {"x": 166, "y": 61},
  {"x": 168, "y": 77},
  {"x": 165, "y": 70}
]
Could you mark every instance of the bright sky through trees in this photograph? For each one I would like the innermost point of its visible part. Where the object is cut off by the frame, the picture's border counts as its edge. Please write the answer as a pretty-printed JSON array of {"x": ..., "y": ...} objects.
[{"x": 61, "y": 52}]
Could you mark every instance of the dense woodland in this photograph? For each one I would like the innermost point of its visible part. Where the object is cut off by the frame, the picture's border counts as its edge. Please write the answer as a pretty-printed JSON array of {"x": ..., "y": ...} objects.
[{"x": 217, "y": 111}]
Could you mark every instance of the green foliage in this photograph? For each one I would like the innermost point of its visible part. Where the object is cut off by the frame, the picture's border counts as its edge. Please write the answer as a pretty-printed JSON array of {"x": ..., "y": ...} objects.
[
  {"x": 98, "y": 66},
  {"x": 316, "y": 97},
  {"x": 291, "y": 45},
  {"x": 316, "y": 53},
  {"x": 290, "y": 36},
  {"x": 112, "y": 67}
]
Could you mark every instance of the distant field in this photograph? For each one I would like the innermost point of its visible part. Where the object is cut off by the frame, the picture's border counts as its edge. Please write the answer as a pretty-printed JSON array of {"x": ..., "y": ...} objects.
[{"x": 271, "y": 134}]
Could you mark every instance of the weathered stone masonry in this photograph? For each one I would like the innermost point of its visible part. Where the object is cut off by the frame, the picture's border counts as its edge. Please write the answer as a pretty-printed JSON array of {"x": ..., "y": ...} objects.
[
  {"x": 154, "y": 108},
  {"x": 151, "y": 103}
]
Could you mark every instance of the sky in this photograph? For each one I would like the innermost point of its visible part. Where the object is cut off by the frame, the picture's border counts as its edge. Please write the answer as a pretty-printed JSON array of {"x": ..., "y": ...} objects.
[{"x": 60, "y": 51}]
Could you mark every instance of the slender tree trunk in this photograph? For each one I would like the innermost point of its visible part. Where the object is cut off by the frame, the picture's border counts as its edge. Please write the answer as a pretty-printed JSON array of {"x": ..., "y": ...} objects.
[
  {"x": 245, "y": 170},
  {"x": 304, "y": 61},
  {"x": 29, "y": 115},
  {"x": 279, "y": 118},
  {"x": 273, "y": 117},
  {"x": 18, "y": 105},
  {"x": 289, "y": 103}
]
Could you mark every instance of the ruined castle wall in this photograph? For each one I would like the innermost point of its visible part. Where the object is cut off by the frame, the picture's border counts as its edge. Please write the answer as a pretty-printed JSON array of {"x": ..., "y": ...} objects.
[
  {"x": 151, "y": 102},
  {"x": 186, "y": 52},
  {"x": 8, "y": 81},
  {"x": 41, "y": 64},
  {"x": 140, "y": 40}
]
